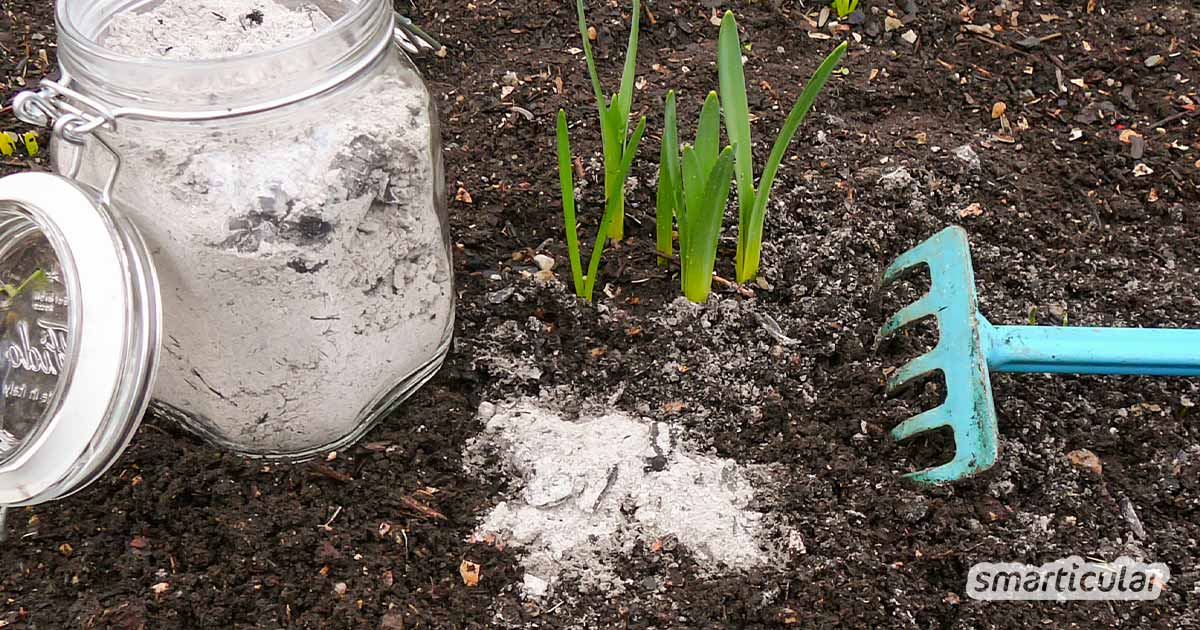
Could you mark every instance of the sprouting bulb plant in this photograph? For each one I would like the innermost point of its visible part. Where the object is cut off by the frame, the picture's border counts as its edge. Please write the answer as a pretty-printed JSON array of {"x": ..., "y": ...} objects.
[
  {"x": 586, "y": 284},
  {"x": 695, "y": 190},
  {"x": 752, "y": 202},
  {"x": 614, "y": 117},
  {"x": 844, "y": 7}
]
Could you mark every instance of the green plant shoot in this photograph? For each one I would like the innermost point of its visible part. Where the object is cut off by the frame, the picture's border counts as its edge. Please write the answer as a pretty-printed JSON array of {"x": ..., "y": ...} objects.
[
  {"x": 586, "y": 284},
  {"x": 696, "y": 190},
  {"x": 844, "y": 7},
  {"x": 614, "y": 117},
  {"x": 669, "y": 200},
  {"x": 752, "y": 202}
]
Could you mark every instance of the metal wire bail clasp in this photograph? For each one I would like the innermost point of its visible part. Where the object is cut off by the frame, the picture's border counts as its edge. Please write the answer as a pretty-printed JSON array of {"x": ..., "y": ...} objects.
[
  {"x": 72, "y": 114},
  {"x": 73, "y": 117}
]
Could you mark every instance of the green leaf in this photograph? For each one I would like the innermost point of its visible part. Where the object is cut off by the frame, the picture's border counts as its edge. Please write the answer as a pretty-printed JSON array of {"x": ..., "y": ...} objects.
[
  {"x": 693, "y": 193},
  {"x": 708, "y": 133},
  {"x": 750, "y": 242},
  {"x": 732, "y": 80},
  {"x": 705, "y": 229},
  {"x": 587, "y": 53},
  {"x": 567, "y": 186},
  {"x": 668, "y": 184},
  {"x": 611, "y": 208},
  {"x": 625, "y": 96}
]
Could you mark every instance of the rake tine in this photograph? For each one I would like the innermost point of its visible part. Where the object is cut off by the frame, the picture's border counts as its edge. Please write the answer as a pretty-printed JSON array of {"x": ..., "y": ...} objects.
[
  {"x": 935, "y": 418},
  {"x": 923, "y": 364},
  {"x": 943, "y": 473},
  {"x": 923, "y": 307},
  {"x": 905, "y": 262}
]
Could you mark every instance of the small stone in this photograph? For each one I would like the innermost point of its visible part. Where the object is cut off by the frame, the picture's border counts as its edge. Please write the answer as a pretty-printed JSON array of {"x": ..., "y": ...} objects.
[
  {"x": 909, "y": 36},
  {"x": 535, "y": 586},
  {"x": 486, "y": 411},
  {"x": 890, "y": 23},
  {"x": 1137, "y": 147},
  {"x": 1154, "y": 60},
  {"x": 1086, "y": 460},
  {"x": 544, "y": 276},
  {"x": 160, "y": 588},
  {"x": 896, "y": 179},
  {"x": 501, "y": 296},
  {"x": 544, "y": 262},
  {"x": 1141, "y": 170},
  {"x": 967, "y": 154},
  {"x": 340, "y": 588}
]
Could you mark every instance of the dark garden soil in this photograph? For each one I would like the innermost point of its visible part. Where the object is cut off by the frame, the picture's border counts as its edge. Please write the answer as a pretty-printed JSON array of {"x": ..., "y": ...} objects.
[{"x": 1069, "y": 219}]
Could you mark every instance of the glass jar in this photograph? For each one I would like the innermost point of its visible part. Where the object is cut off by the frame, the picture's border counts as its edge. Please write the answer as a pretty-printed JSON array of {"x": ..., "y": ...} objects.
[{"x": 293, "y": 204}]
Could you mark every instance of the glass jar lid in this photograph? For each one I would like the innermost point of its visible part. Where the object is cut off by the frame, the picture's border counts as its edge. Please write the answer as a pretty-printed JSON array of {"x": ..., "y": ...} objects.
[{"x": 79, "y": 336}]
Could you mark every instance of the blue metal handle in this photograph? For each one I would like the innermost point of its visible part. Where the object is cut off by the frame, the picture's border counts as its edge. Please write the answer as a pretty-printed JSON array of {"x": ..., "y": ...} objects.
[{"x": 1080, "y": 350}]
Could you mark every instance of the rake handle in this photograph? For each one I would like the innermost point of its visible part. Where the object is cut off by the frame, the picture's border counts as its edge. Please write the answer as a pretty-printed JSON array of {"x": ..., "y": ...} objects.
[{"x": 1082, "y": 350}]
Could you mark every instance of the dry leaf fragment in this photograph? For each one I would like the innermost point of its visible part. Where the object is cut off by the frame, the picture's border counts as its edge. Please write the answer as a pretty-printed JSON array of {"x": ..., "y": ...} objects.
[
  {"x": 1127, "y": 135},
  {"x": 1084, "y": 459},
  {"x": 980, "y": 29},
  {"x": 469, "y": 572},
  {"x": 972, "y": 210},
  {"x": 998, "y": 109},
  {"x": 1141, "y": 170},
  {"x": 463, "y": 196},
  {"x": 160, "y": 588}
]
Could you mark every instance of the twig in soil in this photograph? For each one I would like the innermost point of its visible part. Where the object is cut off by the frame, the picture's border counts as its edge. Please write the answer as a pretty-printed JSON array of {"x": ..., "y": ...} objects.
[
  {"x": 326, "y": 471},
  {"x": 1172, "y": 118},
  {"x": 327, "y": 524},
  {"x": 421, "y": 508}
]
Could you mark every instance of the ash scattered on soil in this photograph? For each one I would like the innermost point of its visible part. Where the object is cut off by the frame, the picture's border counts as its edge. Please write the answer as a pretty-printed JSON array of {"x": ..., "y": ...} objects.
[{"x": 596, "y": 484}]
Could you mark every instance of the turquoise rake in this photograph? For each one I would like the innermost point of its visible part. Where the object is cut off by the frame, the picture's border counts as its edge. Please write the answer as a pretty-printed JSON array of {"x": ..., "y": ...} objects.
[{"x": 969, "y": 346}]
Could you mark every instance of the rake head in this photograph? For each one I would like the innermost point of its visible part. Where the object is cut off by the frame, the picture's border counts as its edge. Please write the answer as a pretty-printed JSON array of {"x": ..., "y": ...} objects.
[{"x": 959, "y": 354}]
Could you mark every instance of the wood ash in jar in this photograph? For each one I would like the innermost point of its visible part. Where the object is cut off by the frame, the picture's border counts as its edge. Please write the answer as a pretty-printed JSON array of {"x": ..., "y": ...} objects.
[{"x": 303, "y": 264}]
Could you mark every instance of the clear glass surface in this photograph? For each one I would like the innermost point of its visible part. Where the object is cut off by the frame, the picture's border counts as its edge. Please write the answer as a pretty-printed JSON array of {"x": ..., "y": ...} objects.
[{"x": 302, "y": 251}]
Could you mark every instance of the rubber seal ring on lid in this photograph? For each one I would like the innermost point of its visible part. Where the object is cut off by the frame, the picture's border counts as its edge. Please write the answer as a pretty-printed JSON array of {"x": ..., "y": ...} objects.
[{"x": 114, "y": 326}]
